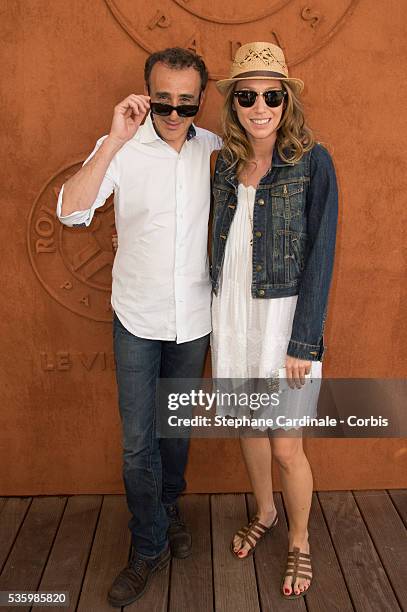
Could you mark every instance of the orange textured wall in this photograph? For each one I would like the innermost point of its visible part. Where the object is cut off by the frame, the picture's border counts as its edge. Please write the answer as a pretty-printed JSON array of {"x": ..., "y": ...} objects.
[{"x": 65, "y": 66}]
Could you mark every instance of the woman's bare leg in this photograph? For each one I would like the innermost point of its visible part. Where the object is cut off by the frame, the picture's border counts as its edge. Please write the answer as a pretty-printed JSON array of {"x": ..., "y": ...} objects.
[
  {"x": 297, "y": 486},
  {"x": 257, "y": 455}
]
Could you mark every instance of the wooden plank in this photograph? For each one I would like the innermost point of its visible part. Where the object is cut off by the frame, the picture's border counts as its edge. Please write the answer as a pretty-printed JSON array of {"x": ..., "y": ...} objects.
[
  {"x": 270, "y": 561},
  {"x": 389, "y": 536},
  {"x": 23, "y": 568},
  {"x": 368, "y": 585},
  {"x": 69, "y": 556},
  {"x": 109, "y": 554},
  {"x": 191, "y": 578},
  {"x": 329, "y": 591},
  {"x": 399, "y": 498},
  {"x": 234, "y": 579},
  {"x": 13, "y": 511}
]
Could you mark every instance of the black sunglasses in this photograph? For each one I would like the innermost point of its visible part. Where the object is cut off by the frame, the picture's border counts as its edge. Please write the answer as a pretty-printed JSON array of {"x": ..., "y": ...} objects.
[
  {"x": 272, "y": 97},
  {"x": 184, "y": 110}
]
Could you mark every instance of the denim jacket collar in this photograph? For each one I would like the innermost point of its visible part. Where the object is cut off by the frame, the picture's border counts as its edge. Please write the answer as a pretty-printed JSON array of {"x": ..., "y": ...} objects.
[{"x": 276, "y": 161}]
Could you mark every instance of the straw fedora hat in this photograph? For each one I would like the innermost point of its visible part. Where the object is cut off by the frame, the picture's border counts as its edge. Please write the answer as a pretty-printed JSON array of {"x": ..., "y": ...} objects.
[{"x": 258, "y": 60}]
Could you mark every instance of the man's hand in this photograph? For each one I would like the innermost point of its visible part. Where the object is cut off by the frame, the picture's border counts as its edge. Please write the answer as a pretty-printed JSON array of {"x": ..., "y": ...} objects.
[
  {"x": 127, "y": 117},
  {"x": 295, "y": 371}
]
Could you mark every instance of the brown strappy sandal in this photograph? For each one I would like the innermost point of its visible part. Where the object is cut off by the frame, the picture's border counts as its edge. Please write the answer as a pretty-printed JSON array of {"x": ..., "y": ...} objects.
[
  {"x": 297, "y": 564},
  {"x": 254, "y": 531}
]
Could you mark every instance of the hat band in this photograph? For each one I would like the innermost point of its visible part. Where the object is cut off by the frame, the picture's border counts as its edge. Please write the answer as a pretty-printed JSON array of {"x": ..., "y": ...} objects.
[{"x": 260, "y": 73}]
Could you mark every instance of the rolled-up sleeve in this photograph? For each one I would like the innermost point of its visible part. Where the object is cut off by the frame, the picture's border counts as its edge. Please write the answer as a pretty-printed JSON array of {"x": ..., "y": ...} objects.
[{"x": 84, "y": 217}]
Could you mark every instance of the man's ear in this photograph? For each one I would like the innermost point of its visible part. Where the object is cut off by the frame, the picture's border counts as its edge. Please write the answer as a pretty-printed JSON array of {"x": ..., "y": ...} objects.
[{"x": 146, "y": 93}]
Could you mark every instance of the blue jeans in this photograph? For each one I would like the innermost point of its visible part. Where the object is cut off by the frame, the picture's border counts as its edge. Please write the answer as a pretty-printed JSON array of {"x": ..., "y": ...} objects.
[{"x": 153, "y": 468}]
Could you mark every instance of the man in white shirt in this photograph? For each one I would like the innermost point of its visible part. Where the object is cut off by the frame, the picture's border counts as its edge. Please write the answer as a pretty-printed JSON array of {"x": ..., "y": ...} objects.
[{"x": 161, "y": 293}]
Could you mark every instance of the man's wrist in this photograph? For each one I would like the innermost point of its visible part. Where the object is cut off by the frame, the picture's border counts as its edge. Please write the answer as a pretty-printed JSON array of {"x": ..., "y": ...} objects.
[{"x": 112, "y": 144}]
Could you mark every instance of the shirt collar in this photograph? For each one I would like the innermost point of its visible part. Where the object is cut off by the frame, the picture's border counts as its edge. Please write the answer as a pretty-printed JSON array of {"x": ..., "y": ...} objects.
[
  {"x": 148, "y": 134},
  {"x": 191, "y": 132}
]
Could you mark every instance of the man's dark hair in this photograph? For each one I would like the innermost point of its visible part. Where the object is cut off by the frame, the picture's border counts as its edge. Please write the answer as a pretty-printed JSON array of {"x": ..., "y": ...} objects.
[{"x": 177, "y": 58}]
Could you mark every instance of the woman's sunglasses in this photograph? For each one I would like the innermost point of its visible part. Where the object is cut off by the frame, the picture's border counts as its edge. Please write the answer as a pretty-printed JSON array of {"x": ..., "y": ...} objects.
[
  {"x": 272, "y": 97},
  {"x": 184, "y": 110}
]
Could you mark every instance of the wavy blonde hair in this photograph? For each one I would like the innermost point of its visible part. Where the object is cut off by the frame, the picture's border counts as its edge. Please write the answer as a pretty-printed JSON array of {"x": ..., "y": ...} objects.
[{"x": 292, "y": 132}]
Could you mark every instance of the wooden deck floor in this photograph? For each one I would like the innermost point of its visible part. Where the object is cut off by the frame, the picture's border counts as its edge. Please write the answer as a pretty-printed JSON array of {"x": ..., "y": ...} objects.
[{"x": 79, "y": 543}]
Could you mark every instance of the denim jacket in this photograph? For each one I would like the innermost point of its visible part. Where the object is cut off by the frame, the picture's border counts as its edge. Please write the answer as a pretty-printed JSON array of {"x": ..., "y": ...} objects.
[{"x": 294, "y": 233}]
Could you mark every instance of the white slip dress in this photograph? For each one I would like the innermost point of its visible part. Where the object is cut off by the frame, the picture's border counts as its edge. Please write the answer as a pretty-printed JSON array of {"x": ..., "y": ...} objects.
[{"x": 250, "y": 336}]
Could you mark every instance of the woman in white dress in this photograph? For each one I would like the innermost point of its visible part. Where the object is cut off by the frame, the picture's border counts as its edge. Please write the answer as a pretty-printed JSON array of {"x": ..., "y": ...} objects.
[{"x": 273, "y": 233}]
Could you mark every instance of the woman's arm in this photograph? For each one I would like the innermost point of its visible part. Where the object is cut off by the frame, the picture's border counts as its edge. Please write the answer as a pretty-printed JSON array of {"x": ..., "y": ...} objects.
[{"x": 322, "y": 214}]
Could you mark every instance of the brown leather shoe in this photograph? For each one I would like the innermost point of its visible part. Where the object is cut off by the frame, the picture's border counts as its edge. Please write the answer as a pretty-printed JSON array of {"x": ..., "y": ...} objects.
[
  {"x": 178, "y": 534},
  {"x": 132, "y": 581}
]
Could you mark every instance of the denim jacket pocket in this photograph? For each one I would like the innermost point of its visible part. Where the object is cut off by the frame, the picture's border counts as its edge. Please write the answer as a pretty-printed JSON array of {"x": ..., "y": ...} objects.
[
  {"x": 289, "y": 255},
  {"x": 287, "y": 200},
  {"x": 220, "y": 195}
]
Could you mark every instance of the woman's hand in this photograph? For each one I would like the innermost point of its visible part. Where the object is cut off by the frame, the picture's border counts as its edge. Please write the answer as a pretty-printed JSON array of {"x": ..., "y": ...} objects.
[
  {"x": 115, "y": 242},
  {"x": 296, "y": 369}
]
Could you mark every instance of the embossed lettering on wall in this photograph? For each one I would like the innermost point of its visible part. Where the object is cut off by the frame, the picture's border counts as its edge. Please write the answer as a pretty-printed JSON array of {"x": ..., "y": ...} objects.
[
  {"x": 213, "y": 28},
  {"x": 66, "y": 361},
  {"x": 74, "y": 265}
]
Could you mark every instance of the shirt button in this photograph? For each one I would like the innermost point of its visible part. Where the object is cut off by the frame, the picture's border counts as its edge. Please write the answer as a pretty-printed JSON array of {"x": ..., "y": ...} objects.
[
  {"x": 259, "y": 267},
  {"x": 261, "y": 292},
  {"x": 260, "y": 202},
  {"x": 258, "y": 234}
]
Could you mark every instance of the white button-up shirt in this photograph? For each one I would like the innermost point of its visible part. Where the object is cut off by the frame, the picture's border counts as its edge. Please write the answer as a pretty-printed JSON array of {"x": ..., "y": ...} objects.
[{"x": 160, "y": 277}]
